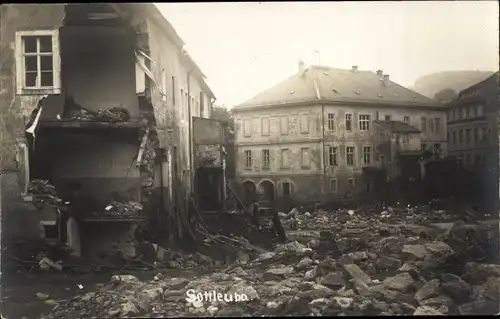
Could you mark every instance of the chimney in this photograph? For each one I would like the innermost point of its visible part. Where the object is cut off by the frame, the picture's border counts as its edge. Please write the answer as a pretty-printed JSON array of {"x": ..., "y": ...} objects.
[
  {"x": 386, "y": 79},
  {"x": 379, "y": 73},
  {"x": 354, "y": 68},
  {"x": 302, "y": 66}
]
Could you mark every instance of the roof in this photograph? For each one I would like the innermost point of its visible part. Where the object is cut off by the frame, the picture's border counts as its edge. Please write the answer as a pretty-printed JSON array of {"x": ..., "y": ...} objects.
[
  {"x": 320, "y": 83},
  {"x": 487, "y": 90},
  {"x": 397, "y": 127}
]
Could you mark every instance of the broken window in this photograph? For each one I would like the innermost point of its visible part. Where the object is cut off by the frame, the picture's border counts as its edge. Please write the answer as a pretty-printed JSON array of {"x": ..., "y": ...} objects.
[
  {"x": 364, "y": 122},
  {"x": 38, "y": 61},
  {"x": 247, "y": 129},
  {"x": 265, "y": 126},
  {"x": 287, "y": 188},
  {"x": 437, "y": 125},
  {"x": 406, "y": 119},
  {"x": 331, "y": 122},
  {"x": 284, "y": 125},
  {"x": 285, "y": 158},
  {"x": 468, "y": 136},
  {"x": 333, "y": 185},
  {"x": 350, "y": 155},
  {"x": 173, "y": 90},
  {"x": 460, "y": 136},
  {"x": 304, "y": 123},
  {"x": 332, "y": 156},
  {"x": 248, "y": 159},
  {"x": 305, "y": 158},
  {"x": 265, "y": 158},
  {"x": 387, "y": 117},
  {"x": 423, "y": 123},
  {"x": 351, "y": 183},
  {"x": 348, "y": 122},
  {"x": 367, "y": 155}
]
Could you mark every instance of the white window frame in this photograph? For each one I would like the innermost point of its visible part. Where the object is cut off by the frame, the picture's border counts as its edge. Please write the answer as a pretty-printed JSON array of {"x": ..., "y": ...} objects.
[
  {"x": 353, "y": 155},
  {"x": 367, "y": 160},
  {"x": 247, "y": 128},
  {"x": 353, "y": 187},
  {"x": 406, "y": 119},
  {"x": 364, "y": 123},
  {"x": 330, "y": 122},
  {"x": 20, "y": 67},
  {"x": 266, "y": 158},
  {"x": 334, "y": 185},
  {"x": 248, "y": 159},
  {"x": 333, "y": 152},
  {"x": 284, "y": 125},
  {"x": 265, "y": 126},
  {"x": 304, "y": 123},
  {"x": 348, "y": 118}
]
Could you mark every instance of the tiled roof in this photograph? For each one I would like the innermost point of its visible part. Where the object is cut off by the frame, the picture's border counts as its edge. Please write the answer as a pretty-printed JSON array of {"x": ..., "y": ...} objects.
[
  {"x": 319, "y": 83},
  {"x": 397, "y": 127}
]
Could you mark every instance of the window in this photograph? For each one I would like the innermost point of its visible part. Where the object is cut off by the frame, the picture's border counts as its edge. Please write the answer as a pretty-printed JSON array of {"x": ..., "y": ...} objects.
[
  {"x": 460, "y": 136},
  {"x": 406, "y": 119},
  {"x": 351, "y": 183},
  {"x": 304, "y": 157},
  {"x": 383, "y": 136},
  {"x": 431, "y": 125},
  {"x": 285, "y": 158},
  {"x": 173, "y": 90},
  {"x": 468, "y": 136},
  {"x": 454, "y": 137},
  {"x": 479, "y": 110},
  {"x": 448, "y": 136},
  {"x": 287, "y": 188},
  {"x": 304, "y": 123},
  {"x": 350, "y": 155},
  {"x": 423, "y": 146},
  {"x": 332, "y": 156},
  {"x": 265, "y": 158},
  {"x": 423, "y": 124},
  {"x": 284, "y": 125},
  {"x": 367, "y": 155},
  {"x": 364, "y": 122},
  {"x": 437, "y": 148},
  {"x": 348, "y": 122},
  {"x": 485, "y": 134},
  {"x": 331, "y": 122},
  {"x": 476, "y": 134},
  {"x": 247, "y": 130},
  {"x": 387, "y": 117},
  {"x": 368, "y": 186},
  {"x": 454, "y": 112},
  {"x": 264, "y": 126},
  {"x": 437, "y": 125},
  {"x": 202, "y": 104},
  {"x": 382, "y": 159},
  {"x": 164, "y": 85},
  {"x": 37, "y": 61},
  {"x": 462, "y": 112},
  {"x": 406, "y": 139},
  {"x": 248, "y": 159},
  {"x": 333, "y": 185},
  {"x": 467, "y": 112}
]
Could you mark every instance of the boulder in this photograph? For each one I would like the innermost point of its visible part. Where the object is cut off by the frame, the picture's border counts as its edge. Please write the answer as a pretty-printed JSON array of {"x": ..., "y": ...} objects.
[
  {"x": 334, "y": 280},
  {"x": 430, "y": 289},
  {"x": 304, "y": 263},
  {"x": 426, "y": 311},
  {"x": 455, "y": 286},
  {"x": 279, "y": 273},
  {"x": 357, "y": 274},
  {"x": 401, "y": 282},
  {"x": 479, "y": 273}
]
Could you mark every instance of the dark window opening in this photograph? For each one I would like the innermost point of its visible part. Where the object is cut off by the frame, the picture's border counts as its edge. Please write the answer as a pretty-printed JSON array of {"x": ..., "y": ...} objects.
[{"x": 287, "y": 188}]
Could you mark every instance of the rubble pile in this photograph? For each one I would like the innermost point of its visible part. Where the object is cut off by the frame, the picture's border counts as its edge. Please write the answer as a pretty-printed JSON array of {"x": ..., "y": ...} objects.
[
  {"x": 356, "y": 267},
  {"x": 117, "y": 209},
  {"x": 115, "y": 114},
  {"x": 43, "y": 192}
]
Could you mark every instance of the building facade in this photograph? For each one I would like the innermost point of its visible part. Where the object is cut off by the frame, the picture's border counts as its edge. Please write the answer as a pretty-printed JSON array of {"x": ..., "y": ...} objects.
[
  {"x": 97, "y": 57},
  {"x": 314, "y": 135}
]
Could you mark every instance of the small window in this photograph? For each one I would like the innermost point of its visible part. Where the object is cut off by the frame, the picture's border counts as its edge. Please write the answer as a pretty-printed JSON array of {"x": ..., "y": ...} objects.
[
  {"x": 387, "y": 117},
  {"x": 423, "y": 146},
  {"x": 287, "y": 188},
  {"x": 383, "y": 136},
  {"x": 431, "y": 125},
  {"x": 37, "y": 61},
  {"x": 437, "y": 125},
  {"x": 351, "y": 183},
  {"x": 265, "y": 158},
  {"x": 304, "y": 123},
  {"x": 406, "y": 119},
  {"x": 460, "y": 136},
  {"x": 350, "y": 155},
  {"x": 333, "y": 185},
  {"x": 367, "y": 155},
  {"x": 468, "y": 137},
  {"x": 285, "y": 158},
  {"x": 331, "y": 122},
  {"x": 248, "y": 159},
  {"x": 381, "y": 159},
  {"x": 406, "y": 139},
  {"x": 284, "y": 125},
  {"x": 437, "y": 148},
  {"x": 476, "y": 134},
  {"x": 454, "y": 137},
  {"x": 265, "y": 126},
  {"x": 332, "y": 156},
  {"x": 364, "y": 122},
  {"x": 348, "y": 122},
  {"x": 305, "y": 158},
  {"x": 247, "y": 129},
  {"x": 423, "y": 123}
]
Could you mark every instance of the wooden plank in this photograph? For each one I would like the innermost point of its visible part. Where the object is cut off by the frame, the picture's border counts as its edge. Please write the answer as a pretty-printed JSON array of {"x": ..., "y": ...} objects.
[{"x": 143, "y": 146}]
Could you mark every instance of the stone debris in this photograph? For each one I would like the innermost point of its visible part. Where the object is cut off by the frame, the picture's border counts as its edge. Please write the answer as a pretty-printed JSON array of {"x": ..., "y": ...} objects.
[
  {"x": 115, "y": 114},
  {"x": 360, "y": 264},
  {"x": 43, "y": 192},
  {"x": 117, "y": 209}
]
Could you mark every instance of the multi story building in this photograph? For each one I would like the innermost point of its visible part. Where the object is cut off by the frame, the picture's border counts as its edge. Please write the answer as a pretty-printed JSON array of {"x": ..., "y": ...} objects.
[{"x": 317, "y": 134}]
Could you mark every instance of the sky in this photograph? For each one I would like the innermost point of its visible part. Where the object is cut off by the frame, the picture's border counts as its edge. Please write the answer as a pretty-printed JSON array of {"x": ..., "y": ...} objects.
[{"x": 245, "y": 48}]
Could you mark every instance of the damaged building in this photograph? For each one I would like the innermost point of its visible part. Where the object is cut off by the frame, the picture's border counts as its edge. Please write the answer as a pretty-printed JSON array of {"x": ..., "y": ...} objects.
[
  {"x": 97, "y": 103},
  {"x": 327, "y": 133}
]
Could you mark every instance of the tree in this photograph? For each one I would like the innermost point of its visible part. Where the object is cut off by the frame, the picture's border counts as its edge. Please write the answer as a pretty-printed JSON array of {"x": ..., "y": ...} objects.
[{"x": 445, "y": 96}]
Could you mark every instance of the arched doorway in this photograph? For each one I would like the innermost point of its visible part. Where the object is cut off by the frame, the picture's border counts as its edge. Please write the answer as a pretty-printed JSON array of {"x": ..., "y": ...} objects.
[
  {"x": 266, "y": 194},
  {"x": 250, "y": 192}
]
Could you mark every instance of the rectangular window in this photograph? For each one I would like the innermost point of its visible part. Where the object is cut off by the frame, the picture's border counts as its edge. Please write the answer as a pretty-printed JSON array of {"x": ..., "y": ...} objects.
[
  {"x": 367, "y": 155},
  {"x": 348, "y": 122},
  {"x": 265, "y": 126},
  {"x": 305, "y": 159},
  {"x": 284, "y": 125},
  {"x": 285, "y": 158},
  {"x": 37, "y": 61},
  {"x": 405, "y": 139},
  {"x": 332, "y": 156},
  {"x": 479, "y": 110},
  {"x": 287, "y": 188},
  {"x": 462, "y": 112},
  {"x": 431, "y": 125},
  {"x": 437, "y": 125},
  {"x": 364, "y": 122},
  {"x": 351, "y": 183},
  {"x": 247, "y": 129},
  {"x": 467, "y": 111},
  {"x": 423, "y": 124},
  {"x": 468, "y": 136},
  {"x": 454, "y": 137},
  {"x": 248, "y": 159},
  {"x": 383, "y": 136},
  {"x": 265, "y": 158},
  {"x": 333, "y": 185},
  {"x": 381, "y": 159},
  {"x": 173, "y": 90},
  {"x": 406, "y": 119},
  {"x": 350, "y": 155},
  {"x": 331, "y": 122},
  {"x": 387, "y": 117},
  {"x": 437, "y": 148},
  {"x": 476, "y": 134},
  {"x": 304, "y": 123},
  {"x": 460, "y": 136},
  {"x": 423, "y": 146}
]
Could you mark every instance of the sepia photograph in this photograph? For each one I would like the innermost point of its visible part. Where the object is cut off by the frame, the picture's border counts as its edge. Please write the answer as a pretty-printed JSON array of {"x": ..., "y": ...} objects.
[{"x": 249, "y": 159}]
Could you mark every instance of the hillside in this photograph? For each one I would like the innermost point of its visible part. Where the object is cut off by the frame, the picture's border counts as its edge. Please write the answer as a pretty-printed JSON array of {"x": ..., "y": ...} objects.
[{"x": 431, "y": 84}]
